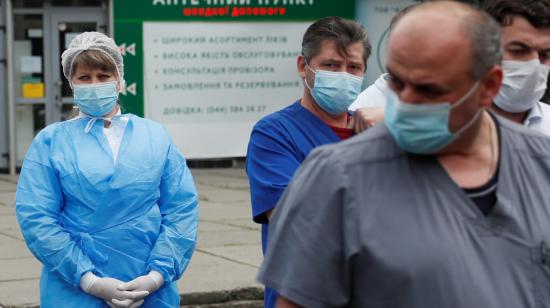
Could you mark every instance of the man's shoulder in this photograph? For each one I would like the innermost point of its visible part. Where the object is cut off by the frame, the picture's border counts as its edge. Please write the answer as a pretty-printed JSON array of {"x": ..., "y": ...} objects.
[
  {"x": 372, "y": 145},
  {"x": 545, "y": 118},
  {"x": 281, "y": 121},
  {"x": 280, "y": 115},
  {"x": 545, "y": 115},
  {"x": 512, "y": 128},
  {"x": 522, "y": 138},
  {"x": 545, "y": 108}
]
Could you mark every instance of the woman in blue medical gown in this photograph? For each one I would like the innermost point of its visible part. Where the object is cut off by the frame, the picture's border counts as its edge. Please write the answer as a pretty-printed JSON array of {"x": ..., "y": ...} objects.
[{"x": 105, "y": 201}]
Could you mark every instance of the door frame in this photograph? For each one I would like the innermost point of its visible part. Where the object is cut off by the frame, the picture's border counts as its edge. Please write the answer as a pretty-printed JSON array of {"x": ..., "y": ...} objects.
[{"x": 4, "y": 114}]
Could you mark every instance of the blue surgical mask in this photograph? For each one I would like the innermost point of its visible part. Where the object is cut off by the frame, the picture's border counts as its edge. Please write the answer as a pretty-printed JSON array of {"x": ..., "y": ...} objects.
[
  {"x": 334, "y": 92},
  {"x": 97, "y": 99},
  {"x": 423, "y": 128}
]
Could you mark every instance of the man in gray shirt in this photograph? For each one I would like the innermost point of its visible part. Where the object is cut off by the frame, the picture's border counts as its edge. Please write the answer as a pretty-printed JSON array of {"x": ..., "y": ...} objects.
[{"x": 446, "y": 205}]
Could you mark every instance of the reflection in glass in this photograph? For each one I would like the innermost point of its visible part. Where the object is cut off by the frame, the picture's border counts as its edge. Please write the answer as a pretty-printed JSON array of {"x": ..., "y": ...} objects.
[
  {"x": 29, "y": 54},
  {"x": 27, "y": 3},
  {"x": 28, "y": 51},
  {"x": 29, "y": 120},
  {"x": 68, "y": 112}
]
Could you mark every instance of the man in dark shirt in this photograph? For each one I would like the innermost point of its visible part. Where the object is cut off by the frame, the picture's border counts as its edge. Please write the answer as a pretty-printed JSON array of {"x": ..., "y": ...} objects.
[{"x": 384, "y": 219}]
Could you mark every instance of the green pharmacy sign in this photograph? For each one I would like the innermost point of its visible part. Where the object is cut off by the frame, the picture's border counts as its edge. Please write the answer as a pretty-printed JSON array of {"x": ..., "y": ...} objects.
[
  {"x": 228, "y": 10},
  {"x": 211, "y": 66}
]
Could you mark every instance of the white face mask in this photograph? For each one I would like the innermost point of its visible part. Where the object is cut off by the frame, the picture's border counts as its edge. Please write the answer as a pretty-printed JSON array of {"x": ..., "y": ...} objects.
[{"x": 523, "y": 85}]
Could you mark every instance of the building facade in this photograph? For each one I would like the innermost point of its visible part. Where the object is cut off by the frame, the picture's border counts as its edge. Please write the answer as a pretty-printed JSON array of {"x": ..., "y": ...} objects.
[{"x": 34, "y": 33}]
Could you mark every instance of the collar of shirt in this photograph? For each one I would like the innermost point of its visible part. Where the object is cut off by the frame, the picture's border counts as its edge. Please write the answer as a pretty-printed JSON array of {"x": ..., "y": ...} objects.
[{"x": 534, "y": 117}]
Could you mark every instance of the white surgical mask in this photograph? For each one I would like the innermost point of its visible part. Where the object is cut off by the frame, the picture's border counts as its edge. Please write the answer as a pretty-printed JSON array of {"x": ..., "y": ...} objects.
[{"x": 523, "y": 86}]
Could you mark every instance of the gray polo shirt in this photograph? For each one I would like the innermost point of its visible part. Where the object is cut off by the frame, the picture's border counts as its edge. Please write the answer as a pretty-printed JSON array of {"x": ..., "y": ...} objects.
[{"x": 364, "y": 224}]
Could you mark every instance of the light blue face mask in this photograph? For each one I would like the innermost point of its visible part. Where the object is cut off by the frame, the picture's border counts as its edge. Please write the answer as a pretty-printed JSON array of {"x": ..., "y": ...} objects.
[
  {"x": 334, "y": 92},
  {"x": 423, "y": 128},
  {"x": 97, "y": 99}
]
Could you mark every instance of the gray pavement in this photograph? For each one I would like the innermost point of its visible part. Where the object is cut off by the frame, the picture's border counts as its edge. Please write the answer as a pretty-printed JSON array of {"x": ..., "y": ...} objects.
[{"x": 222, "y": 270}]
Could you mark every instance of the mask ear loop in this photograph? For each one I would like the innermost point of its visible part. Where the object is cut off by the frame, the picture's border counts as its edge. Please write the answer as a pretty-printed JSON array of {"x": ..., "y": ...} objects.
[
  {"x": 308, "y": 67},
  {"x": 460, "y": 102},
  {"x": 466, "y": 96}
]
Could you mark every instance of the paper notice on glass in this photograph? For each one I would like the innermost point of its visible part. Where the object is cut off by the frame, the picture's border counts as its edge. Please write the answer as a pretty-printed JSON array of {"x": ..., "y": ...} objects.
[
  {"x": 31, "y": 64},
  {"x": 35, "y": 33}
]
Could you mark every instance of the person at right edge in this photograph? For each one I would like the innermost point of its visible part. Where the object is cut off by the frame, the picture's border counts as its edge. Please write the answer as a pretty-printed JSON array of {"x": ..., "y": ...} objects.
[
  {"x": 525, "y": 41},
  {"x": 526, "y": 44},
  {"x": 443, "y": 205}
]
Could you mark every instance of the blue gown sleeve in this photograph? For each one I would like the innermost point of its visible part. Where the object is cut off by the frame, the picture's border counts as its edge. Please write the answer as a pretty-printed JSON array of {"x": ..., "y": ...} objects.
[
  {"x": 270, "y": 164},
  {"x": 39, "y": 201},
  {"x": 178, "y": 205}
]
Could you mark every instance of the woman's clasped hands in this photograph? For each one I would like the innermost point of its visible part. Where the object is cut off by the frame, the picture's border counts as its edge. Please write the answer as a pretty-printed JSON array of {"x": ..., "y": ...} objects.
[{"x": 120, "y": 294}]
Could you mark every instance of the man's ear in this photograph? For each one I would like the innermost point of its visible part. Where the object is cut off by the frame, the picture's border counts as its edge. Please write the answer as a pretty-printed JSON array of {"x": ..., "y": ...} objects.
[
  {"x": 490, "y": 85},
  {"x": 301, "y": 66}
]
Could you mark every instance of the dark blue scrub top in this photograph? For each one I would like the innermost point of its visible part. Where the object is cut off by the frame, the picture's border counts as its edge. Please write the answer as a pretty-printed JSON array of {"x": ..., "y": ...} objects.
[{"x": 279, "y": 143}]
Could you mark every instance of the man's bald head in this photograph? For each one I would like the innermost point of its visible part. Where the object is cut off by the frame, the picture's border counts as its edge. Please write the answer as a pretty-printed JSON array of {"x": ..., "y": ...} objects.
[{"x": 460, "y": 27}]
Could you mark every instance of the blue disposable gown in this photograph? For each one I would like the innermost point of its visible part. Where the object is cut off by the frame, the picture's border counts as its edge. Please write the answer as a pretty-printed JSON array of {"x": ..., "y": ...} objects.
[
  {"x": 79, "y": 211},
  {"x": 279, "y": 143}
]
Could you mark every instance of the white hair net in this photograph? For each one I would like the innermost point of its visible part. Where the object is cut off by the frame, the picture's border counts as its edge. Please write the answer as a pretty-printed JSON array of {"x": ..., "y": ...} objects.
[{"x": 92, "y": 41}]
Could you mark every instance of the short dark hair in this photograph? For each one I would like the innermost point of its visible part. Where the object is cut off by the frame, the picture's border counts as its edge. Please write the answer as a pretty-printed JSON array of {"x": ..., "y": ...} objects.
[
  {"x": 343, "y": 32},
  {"x": 537, "y": 12}
]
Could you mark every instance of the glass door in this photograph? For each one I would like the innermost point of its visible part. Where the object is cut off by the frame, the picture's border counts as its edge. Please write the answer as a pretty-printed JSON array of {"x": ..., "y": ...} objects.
[
  {"x": 29, "y": 79},
  {"x": 42, "y": 95},
  {"x": 65, "y": 24},
  {"x": 4, "y": 126}
]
